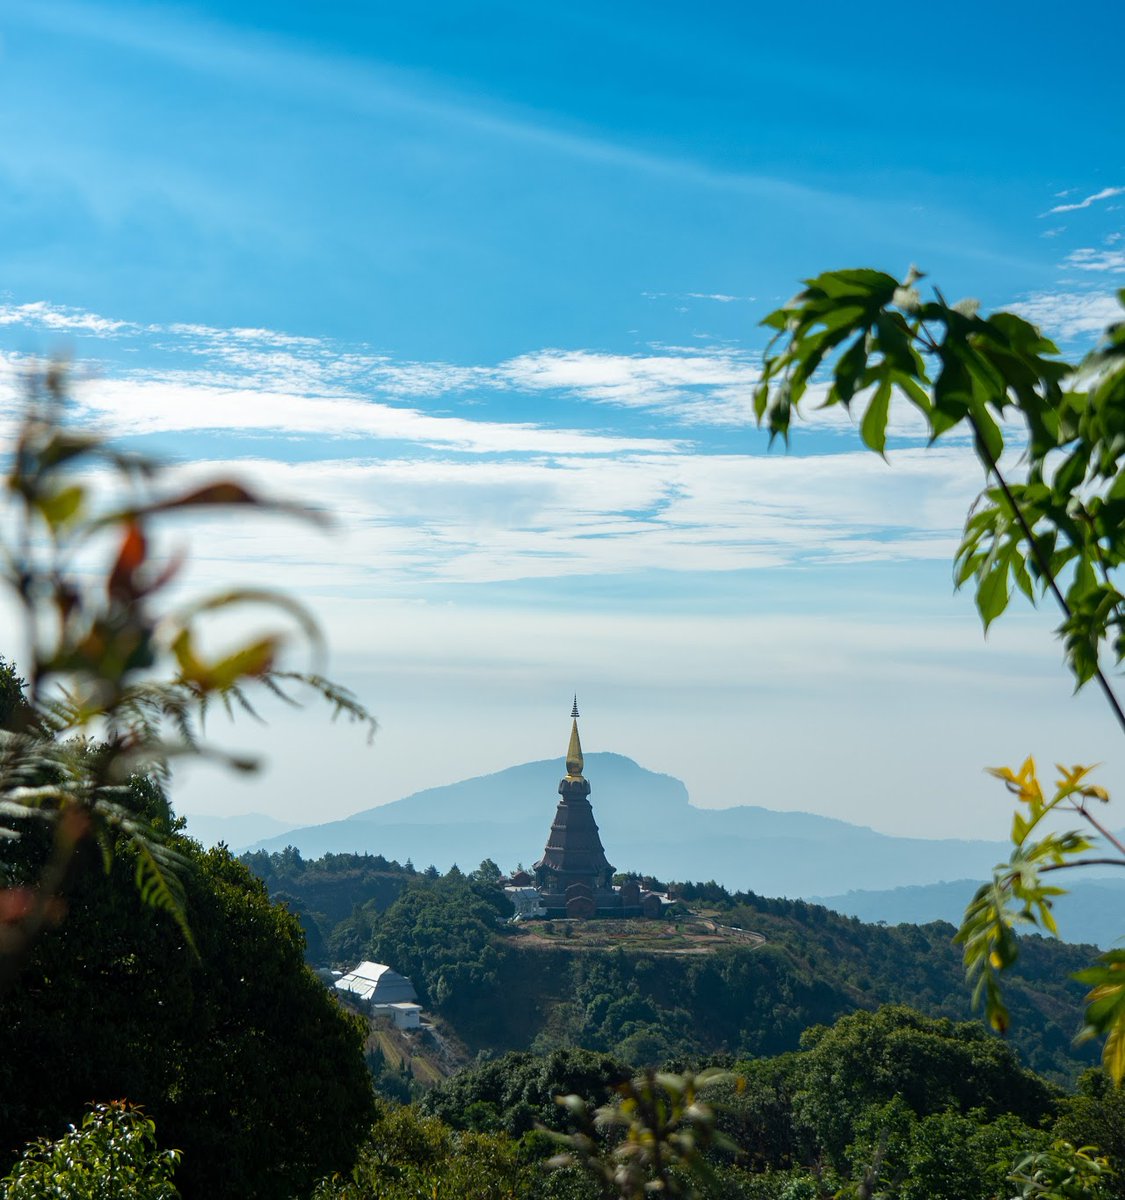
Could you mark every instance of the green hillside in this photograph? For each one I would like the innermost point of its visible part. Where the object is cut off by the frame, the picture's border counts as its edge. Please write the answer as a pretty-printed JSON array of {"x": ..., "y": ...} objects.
[{"x": 732, "y": 973}]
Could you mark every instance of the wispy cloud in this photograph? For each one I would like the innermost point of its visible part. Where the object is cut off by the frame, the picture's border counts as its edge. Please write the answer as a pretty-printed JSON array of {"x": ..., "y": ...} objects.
[
  {"x": 262, "y": 381},
  {"x": 1088, "y": 259},
  {"x": 703, "y": 388},
  {"x": 718, "y": 297},
  {"x": 447, "y": 499},
  {"x": 177, "y": 406},
  {"x": 371, "y": 87},
  {"x": 60, "y": 319},
  {"x": 1069, "y": 314},
  {"x": 1105, "y": 194}
]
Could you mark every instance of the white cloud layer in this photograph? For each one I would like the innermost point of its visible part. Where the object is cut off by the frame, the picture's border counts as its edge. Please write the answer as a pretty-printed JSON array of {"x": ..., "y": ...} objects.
[
  {"x": 698, "y": 388},
  {"x": 455, "y": 521},
  {"x": 180, "y": 405},
  {"x": 445, "y": 525},
  {"x": 60, "y": 319}
]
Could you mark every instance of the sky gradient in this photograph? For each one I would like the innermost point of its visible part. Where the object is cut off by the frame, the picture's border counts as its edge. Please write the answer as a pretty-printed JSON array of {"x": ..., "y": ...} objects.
[{"x": 485, "y": 282}]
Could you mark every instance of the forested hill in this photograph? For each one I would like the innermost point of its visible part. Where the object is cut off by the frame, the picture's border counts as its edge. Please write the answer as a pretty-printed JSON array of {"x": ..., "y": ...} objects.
[{"x": 651, "y": 991}]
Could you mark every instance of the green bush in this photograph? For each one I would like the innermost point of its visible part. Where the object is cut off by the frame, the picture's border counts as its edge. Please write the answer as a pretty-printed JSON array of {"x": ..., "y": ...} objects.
[{"x": 113, "y": 1155}]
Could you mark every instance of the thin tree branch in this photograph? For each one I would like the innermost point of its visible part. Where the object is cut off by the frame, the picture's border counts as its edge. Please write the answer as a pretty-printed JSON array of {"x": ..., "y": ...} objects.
[
  {"x": 1084, "y": 862},
  {"x": 1043, "y": 565},
  {"x": 1109, "y": 837}
]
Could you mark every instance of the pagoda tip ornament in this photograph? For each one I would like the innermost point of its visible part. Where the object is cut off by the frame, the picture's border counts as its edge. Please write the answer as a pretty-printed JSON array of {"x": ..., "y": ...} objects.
[{"x": 574, "y": 760}]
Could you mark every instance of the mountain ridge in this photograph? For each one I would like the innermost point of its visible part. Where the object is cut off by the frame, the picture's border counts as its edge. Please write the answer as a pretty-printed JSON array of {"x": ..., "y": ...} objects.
[{"x": 649, "y": 825}]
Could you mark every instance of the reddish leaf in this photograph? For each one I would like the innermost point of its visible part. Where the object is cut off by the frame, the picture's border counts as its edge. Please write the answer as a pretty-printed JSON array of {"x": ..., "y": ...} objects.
[
  {"x": 129, "y": 558},
  {"x": 223, "y": 492}
]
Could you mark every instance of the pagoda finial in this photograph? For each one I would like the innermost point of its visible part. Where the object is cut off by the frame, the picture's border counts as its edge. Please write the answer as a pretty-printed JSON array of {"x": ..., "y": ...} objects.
[{"x": 574, "y": 762}]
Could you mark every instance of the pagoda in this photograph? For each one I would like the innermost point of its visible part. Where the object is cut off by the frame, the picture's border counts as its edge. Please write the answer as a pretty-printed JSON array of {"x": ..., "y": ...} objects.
[{"x": 574, "y": 878}]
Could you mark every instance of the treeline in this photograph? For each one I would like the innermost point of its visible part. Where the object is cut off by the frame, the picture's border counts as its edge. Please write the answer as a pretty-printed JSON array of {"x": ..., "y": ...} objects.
[
  {"x": 448, "y": 934},
  {"x": 888, "y": 1103},
  {"x": 247, "y": 1065}
]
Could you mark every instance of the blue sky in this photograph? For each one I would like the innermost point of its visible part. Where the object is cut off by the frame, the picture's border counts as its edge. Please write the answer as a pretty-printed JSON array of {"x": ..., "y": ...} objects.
[{"x": 486, "y": 281}]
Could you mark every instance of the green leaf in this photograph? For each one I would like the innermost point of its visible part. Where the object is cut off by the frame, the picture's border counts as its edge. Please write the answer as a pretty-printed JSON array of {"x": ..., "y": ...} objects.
[
  {"x": 992, "y": 594},
  {"x": 849, "y": 368},
  {"x": 1105, "y": 1009},
  {"x": 856, "y": 282},
  {"x": 158, "y": 885},
  {"x": 873, "y": 428},
  {"x": 62, "y": 507},
  {"x": 914, "y": 391},
  {"x": 988, "y": 434}
]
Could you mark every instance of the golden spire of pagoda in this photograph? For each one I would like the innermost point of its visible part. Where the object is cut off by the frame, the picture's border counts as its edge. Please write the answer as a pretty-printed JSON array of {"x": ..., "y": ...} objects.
[{"x": 574, "y": 763}]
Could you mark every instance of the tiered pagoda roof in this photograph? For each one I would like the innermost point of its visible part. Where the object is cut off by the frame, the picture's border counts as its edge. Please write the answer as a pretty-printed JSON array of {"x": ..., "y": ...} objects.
[{"x": 574, "y": 852}]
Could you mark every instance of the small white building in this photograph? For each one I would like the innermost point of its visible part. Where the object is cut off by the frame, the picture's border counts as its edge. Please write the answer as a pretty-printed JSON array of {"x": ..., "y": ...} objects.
[
  {"x": 380, "y": 990},
  {"x": 526, "y": 901},
  {"x": 406, "y": 1016}
]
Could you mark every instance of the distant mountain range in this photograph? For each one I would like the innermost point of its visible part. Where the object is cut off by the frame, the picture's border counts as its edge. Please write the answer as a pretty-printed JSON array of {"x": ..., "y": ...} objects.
[
  {"x": 1093, "y": 911},
  {"x": 647, "y": 824},
  {"x": 238, "y": 831}
]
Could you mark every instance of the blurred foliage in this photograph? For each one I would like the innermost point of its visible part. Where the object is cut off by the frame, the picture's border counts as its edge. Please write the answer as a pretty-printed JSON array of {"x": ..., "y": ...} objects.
[
  {"x": 661, "y": 1128},
  {"x": 240, "y": 1054},
  {"x": 961, "y": 373},
  {"x": 1095, "y": 1116},
  {"x": 117, "y": 677},
  {"x": 112, "y": 1155}
]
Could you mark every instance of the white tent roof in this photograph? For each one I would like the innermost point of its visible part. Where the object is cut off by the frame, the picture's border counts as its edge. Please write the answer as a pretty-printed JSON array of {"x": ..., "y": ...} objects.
[{"x": 377, "y": 984}]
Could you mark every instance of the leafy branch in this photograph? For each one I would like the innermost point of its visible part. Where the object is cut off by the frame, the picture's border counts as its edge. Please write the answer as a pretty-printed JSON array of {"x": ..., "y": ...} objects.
[
  {"x": 1017, "y": 893},
  {"x": 118, "y": 683},
  {"x": 1058, "y": 529},
  {"x": 959, "y": 371}
]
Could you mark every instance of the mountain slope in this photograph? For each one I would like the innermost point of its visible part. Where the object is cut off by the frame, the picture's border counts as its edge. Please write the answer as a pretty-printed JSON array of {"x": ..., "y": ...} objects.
[
  {"x": 648, "y": 825},
  {"x": 236, "y": 831}
]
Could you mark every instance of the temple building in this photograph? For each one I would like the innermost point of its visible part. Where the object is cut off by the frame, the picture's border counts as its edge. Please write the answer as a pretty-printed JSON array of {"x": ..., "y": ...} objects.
[{"x": 574, "y": 878}]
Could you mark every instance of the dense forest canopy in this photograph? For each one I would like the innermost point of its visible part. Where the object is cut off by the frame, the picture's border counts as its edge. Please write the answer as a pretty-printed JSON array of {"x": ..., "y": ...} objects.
[
  {"x": 239, "y": 1054},
  {"x": 449, "y": 934}
]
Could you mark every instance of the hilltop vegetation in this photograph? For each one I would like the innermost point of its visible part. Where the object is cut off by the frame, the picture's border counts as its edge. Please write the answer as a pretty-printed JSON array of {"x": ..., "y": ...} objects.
[{"x": 502, "y": 990}]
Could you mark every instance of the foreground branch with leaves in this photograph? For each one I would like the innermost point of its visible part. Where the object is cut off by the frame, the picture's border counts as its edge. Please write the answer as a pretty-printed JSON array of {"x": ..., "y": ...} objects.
[
  {"x": 660, "y": 1129},
  {"x": 117, "y": 683},
  {"x": 1057, "y": 529}
]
